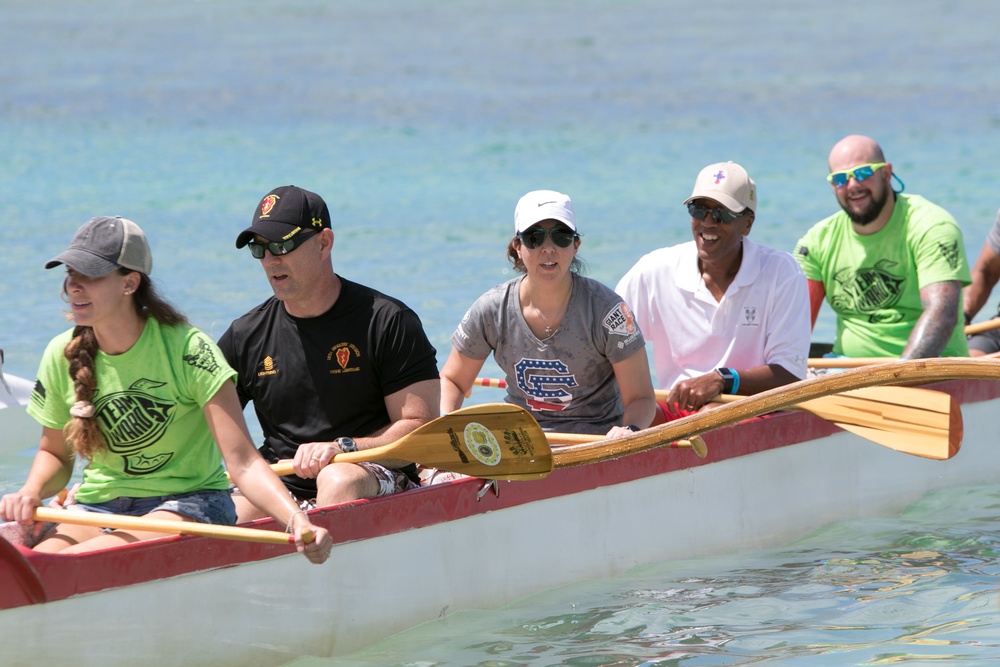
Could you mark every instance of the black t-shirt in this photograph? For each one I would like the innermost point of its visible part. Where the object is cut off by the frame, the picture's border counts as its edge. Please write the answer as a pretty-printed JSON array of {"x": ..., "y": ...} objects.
[{"x": 320, "y": 378}]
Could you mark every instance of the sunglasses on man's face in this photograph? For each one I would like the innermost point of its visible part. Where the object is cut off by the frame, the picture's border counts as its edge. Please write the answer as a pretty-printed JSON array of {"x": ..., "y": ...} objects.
[
  {"x": 283, "y": 248},
  {"x": 562, "y": 237},
  {"x": 860, "y": 173},
  {"x": 720, "y": 215}
]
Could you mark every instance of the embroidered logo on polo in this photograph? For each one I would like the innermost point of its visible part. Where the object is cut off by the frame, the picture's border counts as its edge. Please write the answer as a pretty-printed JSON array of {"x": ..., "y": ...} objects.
[
  {"x": 870, "y": 290},
  {"x": 750, "y": 316},
  {"x": 545, "y": 382},
  {"x": 347, "y": 356},
  {"x": 133, "y": 420}
]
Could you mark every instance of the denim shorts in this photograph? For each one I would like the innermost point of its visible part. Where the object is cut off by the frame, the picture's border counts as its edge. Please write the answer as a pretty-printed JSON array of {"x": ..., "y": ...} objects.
[{"x": 211, "y": 506}]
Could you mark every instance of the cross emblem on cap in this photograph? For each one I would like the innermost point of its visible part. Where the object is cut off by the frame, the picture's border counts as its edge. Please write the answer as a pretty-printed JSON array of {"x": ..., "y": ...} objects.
[{"x": 719, "y": 176}]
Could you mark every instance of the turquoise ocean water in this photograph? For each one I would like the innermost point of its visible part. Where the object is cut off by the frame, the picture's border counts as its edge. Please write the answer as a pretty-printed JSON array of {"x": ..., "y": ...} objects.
[{"x": 421, "y": 124}]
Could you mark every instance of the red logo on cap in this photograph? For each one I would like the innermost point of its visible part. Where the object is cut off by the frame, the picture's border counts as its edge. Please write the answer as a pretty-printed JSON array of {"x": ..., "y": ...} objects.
[{"x": 268, "y": 204}]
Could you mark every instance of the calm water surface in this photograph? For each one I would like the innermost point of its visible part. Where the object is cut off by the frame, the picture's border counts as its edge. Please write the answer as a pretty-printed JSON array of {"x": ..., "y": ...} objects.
[{"x": 421, "y": 124}]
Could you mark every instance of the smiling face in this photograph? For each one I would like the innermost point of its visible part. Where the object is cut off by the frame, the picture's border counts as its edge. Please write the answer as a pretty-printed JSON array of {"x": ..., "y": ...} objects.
[
  {"x": 719, "y": 243},
  {"x": 547, "y": 261},
  {"x": 868, "y": 201},
  {"x": 100, "y": 301}
]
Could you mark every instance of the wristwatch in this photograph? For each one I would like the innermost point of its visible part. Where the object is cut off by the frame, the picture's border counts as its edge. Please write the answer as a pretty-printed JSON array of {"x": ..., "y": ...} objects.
[
  {"x": 346, "y": 444},
  {"x": 632, "y": 427},
  {"x": 728, "y": 378}
]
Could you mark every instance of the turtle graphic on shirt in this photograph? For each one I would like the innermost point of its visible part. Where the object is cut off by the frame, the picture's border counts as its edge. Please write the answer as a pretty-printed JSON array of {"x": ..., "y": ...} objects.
[{"x": 871, "y": 290}]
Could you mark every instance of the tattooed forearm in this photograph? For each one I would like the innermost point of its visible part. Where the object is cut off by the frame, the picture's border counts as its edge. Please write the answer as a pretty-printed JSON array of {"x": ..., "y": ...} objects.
[{"x": 935, "y": 326}]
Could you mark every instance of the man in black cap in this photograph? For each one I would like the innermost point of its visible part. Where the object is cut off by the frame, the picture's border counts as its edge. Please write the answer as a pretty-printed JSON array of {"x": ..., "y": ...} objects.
[{"x": 330, "y": 365}]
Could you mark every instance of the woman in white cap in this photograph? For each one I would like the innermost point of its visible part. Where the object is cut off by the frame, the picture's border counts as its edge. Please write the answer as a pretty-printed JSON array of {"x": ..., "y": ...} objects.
[
  {"x": 569, "y": 346},
  {"x": 141, "y": 395}
]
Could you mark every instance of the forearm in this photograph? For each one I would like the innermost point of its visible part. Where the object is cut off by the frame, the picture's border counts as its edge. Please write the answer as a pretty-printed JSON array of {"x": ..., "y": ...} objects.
[
  {"x": 974, "y": 298},
  {"x": 935, "y": 326},
  {"x": 930, "y": 335},
  {"x": 639, "y": 412},
  {"x": 264, "y": 489},
  {"x": 48, "y": 475},
  {"x": 452, "y": 396},
  {"x": 761, "y": 378}
]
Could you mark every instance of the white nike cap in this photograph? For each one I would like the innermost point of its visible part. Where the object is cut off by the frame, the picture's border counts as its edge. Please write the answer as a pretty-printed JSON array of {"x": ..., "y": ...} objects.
[{"x": 540, "y": 205}]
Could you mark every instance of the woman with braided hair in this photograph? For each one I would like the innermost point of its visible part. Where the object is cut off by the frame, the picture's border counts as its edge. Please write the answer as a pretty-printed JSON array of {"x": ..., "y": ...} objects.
[{"x": 143, "y": 397}]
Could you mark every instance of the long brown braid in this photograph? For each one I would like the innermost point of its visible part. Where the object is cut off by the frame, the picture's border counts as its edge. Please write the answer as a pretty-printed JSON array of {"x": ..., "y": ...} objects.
[{"x": 83, "y": 433}]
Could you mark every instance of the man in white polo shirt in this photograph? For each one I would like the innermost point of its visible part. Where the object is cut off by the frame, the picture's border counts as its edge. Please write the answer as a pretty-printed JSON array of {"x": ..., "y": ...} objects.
[{"x": 724, "y": 314}]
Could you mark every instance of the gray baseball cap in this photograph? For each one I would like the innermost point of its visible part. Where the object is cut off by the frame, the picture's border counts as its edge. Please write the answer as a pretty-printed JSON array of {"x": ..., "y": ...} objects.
[{"x": 105, "y": 244}]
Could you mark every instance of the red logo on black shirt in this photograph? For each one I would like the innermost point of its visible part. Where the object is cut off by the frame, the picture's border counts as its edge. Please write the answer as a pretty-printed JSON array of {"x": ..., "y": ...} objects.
[{"x": 343, "y": 354}]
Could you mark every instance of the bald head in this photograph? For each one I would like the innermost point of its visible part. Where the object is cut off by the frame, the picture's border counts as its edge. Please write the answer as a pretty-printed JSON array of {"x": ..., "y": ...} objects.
[{"x": 854, "y": 150}]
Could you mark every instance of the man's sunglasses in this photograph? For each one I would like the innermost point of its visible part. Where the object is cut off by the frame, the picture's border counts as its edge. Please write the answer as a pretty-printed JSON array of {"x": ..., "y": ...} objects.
[
  {"x": 860, "y": 173},
  {"x": 562, "y": 237},
  {"x": 720, "y": 215},
  {"x": 283, "y": 248}
]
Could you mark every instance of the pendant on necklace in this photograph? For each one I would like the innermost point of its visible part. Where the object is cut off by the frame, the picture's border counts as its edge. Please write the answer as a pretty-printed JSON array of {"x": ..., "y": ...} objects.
[{"x": 548, "y": 331}]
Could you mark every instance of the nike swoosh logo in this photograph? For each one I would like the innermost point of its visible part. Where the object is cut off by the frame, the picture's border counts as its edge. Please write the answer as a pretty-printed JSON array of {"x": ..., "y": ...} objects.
[{"x": 541, "y": 204}]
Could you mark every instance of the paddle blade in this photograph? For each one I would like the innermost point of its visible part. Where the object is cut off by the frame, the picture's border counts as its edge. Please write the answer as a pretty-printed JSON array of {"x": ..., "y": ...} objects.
[
  {"x": 921, "y": 422},
  {"x": 491, "y": 441}
]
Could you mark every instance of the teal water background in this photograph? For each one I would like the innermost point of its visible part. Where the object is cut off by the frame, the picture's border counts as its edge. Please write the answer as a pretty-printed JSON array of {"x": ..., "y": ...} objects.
[{"x": 422, "y": 124}]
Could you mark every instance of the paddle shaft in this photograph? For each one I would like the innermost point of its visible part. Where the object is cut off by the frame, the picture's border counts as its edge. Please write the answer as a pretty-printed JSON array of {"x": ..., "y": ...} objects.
[{"x": 122, "y": 522}]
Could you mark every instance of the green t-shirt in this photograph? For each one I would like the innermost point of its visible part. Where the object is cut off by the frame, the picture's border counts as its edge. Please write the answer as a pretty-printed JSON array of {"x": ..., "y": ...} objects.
[
  {"x": 148, "y": 405},
  {"x": 873, "y": 282}
]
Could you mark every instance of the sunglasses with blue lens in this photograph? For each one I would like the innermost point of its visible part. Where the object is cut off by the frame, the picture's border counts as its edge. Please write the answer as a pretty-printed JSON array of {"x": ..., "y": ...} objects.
[
  {"x": 720, "y": 215},
  {"x": 277, "y": 249},
  {"x": 562, "y": 237},
  {"x": 860, "y": 173}
]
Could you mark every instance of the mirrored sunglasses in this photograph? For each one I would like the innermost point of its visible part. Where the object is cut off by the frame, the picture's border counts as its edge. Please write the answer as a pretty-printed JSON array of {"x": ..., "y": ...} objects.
[
  {"x": 283, "y": 248},
  {"x": 721, "y": 215},
  {"x": 562, "y": 237},
  {"x": 860, "y": 173}
]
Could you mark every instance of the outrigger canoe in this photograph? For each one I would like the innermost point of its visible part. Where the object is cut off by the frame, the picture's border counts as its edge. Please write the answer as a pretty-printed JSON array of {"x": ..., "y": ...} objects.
[{"x": 468, "y": 544}]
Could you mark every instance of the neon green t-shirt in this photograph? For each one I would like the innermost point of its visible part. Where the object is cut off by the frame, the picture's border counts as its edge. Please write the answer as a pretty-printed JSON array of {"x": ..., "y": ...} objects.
[
  {"x": 873, "y": 282},
  {"x": 148, "y": 405}
]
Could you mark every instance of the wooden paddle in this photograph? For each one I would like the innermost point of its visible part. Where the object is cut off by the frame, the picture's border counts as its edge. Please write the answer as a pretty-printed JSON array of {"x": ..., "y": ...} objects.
[
  {"x": 490, "y": 441},
  {"x": 779, "y": 398},
  {"x": 162, "y": 526},
  {"x": 886, "y": 416}
]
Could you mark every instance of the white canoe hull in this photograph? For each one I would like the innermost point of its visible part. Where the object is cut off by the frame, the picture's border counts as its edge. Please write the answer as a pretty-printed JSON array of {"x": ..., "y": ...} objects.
[{"x": 414, "y": 558}]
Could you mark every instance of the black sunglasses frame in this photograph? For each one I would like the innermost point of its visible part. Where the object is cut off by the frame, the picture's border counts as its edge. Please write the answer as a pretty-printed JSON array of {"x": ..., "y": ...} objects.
[
  {"x": 279, "y": 249},
  {"x": 562, "y": 237},
  {"x": 722, "y": 216}
]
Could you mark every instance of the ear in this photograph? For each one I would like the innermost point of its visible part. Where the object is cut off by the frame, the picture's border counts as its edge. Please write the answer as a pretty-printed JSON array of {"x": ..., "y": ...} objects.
[
  {"x": 132, "y": 282},
  {"x": 750, "y": 219},
  {"x": 326, "y": 240}
]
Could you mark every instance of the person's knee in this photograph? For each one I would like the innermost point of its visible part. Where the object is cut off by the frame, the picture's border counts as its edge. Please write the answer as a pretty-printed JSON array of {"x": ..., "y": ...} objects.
[
  {"x": 343, "y": 482},
  {"x": 246, "y": 510}
]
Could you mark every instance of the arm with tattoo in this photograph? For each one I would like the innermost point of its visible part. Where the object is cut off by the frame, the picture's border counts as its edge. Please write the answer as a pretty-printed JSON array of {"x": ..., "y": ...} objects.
[{"x": 937, "y": 323}]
